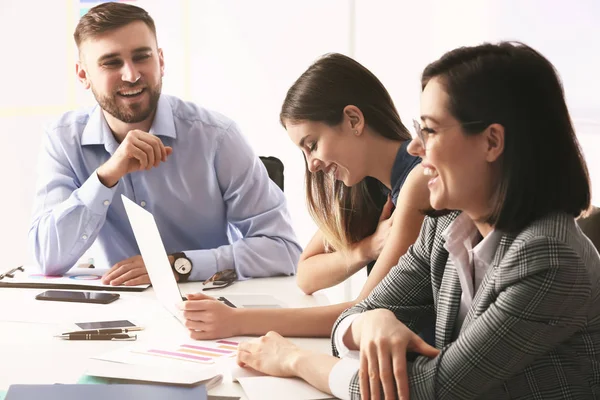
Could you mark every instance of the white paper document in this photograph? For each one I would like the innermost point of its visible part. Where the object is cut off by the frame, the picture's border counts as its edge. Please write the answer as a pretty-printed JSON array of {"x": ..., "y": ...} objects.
[
  {"x": 178, "y": 354},
  {"x": 106, "y": 369},
  {"x": 272, "y": 388}
]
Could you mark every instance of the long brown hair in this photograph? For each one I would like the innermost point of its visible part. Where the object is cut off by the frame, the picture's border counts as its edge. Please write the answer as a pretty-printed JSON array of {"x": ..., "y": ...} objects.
[{"x": 344, "y": 214}]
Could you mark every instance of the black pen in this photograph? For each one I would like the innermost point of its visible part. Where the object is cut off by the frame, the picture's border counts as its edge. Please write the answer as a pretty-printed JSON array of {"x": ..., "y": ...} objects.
[
  {"x": 105, "y": 331},
  {"x": 89, "y": 336},
  {"x": 227, "y": 302}
]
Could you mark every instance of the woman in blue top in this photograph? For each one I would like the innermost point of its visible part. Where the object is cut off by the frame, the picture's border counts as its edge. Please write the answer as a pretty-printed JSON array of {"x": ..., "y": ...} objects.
[
  {"x": 354, "y": 144},
  {"x": 345, "y": 122}
]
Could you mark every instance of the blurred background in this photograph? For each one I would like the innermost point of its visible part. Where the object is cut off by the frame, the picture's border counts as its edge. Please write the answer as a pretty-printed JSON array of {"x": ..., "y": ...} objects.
[{"x": 239, "y": 57}]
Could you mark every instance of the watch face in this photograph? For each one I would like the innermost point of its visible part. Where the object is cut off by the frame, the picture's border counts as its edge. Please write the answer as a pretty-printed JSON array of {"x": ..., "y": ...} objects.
[{"x": 182, "y": 266}]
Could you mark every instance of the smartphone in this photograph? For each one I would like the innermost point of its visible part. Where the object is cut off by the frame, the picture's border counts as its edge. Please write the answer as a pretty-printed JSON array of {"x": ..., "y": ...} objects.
[
  {"x": 105, "y": 324},
  {"x": 78, "y": 297}
]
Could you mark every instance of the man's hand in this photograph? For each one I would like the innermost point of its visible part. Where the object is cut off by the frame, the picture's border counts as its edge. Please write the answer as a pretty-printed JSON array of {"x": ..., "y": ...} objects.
[
  {"x": 130, "y": 272},
  {"x": 208, "y": 318},
  {"x": 140, "y": 150}
]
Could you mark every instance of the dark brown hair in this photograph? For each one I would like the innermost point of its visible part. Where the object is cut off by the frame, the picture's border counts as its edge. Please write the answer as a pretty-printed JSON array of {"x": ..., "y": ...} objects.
[
  {"x": 108, "y": 16},
  {"x": 542, "y": 169},
  {"x": 344, "y": 214}
]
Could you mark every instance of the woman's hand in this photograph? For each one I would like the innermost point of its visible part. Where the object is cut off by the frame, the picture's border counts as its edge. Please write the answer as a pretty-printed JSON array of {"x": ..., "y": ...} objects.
[
  {"x": 208, "y": 318},
  {"x": 271, "y": 354},
  {"x": 383, "y": 342},
  {"x": 374, "y": 244}
]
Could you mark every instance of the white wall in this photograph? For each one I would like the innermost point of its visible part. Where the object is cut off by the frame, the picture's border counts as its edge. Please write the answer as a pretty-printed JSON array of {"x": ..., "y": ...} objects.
[{"x": 239, "y": 57}]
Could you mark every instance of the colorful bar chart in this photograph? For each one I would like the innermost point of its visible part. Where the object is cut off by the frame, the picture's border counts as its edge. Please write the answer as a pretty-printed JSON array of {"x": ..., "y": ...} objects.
[{"x": 203, "y": 352}]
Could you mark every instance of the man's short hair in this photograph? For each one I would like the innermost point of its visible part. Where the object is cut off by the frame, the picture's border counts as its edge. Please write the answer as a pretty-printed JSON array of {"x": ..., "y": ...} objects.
[{"x": 108, "y": 16}]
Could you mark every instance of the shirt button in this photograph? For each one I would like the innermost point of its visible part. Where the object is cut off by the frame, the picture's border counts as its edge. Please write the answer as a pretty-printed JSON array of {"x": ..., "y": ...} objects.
[
  {"x": 84, "y": 237},
  {"x": 106, "y": 202},
  {"x": 143, "y": 203}
]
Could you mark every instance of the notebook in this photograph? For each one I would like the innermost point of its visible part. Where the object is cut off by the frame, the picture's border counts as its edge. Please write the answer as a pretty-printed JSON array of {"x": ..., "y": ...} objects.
[
  {"x": 103, "y": 392},
  {"x": 28, "y": 276}
]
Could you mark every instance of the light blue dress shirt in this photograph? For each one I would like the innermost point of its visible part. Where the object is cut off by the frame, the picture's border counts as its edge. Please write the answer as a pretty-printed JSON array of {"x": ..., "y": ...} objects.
[{"x": 211, "y": 199}]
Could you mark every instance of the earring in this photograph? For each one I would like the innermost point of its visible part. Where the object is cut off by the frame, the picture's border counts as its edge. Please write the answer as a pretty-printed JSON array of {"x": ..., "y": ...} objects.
[{"x": 355, "y": 132}]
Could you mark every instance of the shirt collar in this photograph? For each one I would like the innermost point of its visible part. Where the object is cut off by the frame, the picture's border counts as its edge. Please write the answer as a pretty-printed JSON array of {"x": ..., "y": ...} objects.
[
  {"x": 97, "y": 131},
  {"x": 164, "y": 123},
  {"x": 486, "y": 249},
  {"x": 462, "y": 235}
]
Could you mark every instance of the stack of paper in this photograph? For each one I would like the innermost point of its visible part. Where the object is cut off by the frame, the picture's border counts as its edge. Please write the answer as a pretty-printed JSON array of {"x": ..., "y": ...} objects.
[{"x": 178, "y": 362}]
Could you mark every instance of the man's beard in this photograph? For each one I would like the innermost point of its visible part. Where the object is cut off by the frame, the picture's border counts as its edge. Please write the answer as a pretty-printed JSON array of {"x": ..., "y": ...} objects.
[{"x": 133, "y": 113}]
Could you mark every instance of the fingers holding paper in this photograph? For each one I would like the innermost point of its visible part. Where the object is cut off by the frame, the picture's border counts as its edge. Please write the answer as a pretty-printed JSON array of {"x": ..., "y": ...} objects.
[
  {"x": 271, "y": 354},
  {"x": 208, "y": 318}
]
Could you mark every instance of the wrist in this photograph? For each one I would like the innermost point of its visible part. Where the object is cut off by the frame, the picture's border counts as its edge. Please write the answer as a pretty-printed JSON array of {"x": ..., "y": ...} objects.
[
  {"x": 354, "y": 332},
  {"x": 107, "y": 178},
  {"x": 237, "y": 321},
  {"x": 362, "y": 251},
  {"x": 296, "y": 361}
]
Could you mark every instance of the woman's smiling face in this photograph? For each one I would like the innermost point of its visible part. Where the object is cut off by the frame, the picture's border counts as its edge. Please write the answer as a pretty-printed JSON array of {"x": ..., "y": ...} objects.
[
  {"x": 458, "y": 164},
  {"x": 333, "y": 150}
]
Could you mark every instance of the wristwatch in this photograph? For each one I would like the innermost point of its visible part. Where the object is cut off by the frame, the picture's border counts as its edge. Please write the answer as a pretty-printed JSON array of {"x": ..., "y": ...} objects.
[{"x": 182, "y": 266}]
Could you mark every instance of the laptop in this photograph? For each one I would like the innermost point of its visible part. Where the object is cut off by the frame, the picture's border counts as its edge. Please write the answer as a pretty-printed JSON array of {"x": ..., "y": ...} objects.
[
  {"x": 159, "y": 269},
  {"x": 155, "y": 257}
]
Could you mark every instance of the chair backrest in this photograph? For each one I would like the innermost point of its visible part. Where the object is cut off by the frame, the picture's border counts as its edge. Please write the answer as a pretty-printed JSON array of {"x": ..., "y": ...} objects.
[
  {"x": 590, "y": 225},
  {"x": 275, "y": 169}
]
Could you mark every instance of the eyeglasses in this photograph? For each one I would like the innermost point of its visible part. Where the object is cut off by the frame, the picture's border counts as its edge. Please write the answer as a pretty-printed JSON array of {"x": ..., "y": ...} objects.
[
  {"x": 423, "y": 137},
  {"x": 221, "y": 279}
]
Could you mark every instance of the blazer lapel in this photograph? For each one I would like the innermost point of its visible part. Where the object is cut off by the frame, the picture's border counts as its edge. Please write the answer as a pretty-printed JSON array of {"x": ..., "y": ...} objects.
[{"x": 448, "y": 305}]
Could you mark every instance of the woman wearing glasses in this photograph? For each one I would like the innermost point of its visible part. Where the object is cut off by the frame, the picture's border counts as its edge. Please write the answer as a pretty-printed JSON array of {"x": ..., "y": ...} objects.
[
  {"x": 357, "y": 169},
  {"x": 514, "y": 285}
]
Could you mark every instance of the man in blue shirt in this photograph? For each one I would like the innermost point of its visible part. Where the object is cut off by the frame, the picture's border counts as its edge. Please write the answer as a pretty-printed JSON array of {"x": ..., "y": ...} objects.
[{"x": 212, "y": 199}]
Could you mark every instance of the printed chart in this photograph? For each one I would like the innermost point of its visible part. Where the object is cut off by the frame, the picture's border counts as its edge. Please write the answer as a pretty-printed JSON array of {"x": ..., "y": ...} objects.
[{"x": 203, "y": 352}]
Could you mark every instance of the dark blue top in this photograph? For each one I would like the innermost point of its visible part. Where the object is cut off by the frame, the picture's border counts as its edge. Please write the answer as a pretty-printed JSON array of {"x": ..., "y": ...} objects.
[{"x": 403, "y": 164}]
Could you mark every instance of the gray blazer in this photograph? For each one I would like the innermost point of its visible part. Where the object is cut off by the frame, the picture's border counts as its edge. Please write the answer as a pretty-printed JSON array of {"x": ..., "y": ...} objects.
[{"x": 533, "y": 331}]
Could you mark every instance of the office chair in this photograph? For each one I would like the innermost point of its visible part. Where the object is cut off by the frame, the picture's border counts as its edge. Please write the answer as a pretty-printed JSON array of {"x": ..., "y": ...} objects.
[
  {"x": 590, "y": 225},
  {"x": 275, "y": 169}
]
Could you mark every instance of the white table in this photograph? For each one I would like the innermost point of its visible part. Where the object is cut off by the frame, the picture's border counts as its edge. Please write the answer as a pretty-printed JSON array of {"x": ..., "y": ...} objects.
[{"x": 30, "y": 354}]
